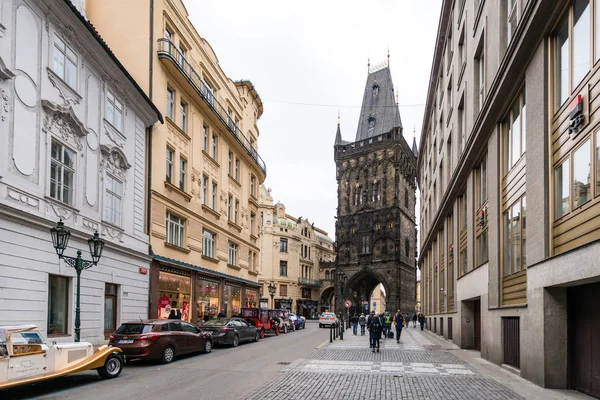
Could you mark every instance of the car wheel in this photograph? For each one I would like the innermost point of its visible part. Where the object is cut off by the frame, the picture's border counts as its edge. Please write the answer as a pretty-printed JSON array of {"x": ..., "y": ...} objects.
[
  {"x": 168, "y": 355},
  {"x": 262, "y": 333},
  {"x": 207, "y": 347},
  {"x": 257, "y": 337},
  {"x": 236, "y": 340},
  {"x": 113, "y": 365}
]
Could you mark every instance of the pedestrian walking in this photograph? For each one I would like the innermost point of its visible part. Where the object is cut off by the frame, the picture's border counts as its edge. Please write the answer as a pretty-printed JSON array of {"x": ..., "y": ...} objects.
[
  {"x": 362, "y": 321},
  {"x": 414, "y": 318},
  {"x": 178, "y": 314},
  {"x": 387, "y": 324},
  {"x": 354, "y": 321},
  {"x": 398, "y": 322},
  {"x": 172, "y": 314},
  {"x": 375, "y": 328},
  {"x": 221, "y": 314},
  {"x": 370, "y": 319},
  {"x": 421, "y": 320}
]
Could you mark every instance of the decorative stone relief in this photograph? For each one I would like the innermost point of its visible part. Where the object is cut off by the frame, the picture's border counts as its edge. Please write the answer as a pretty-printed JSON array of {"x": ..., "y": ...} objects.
[
  {"x": 23, "y": 198},
  {"x": 61, "y": 212},
  {"x": 114, "y": 161},
  {"x": 67, "y": 33},
  {"x": 114, "y": 136},
  {"x": 63, "y": 121},
  {"x": 112, "y": 232},
  {"x": 68, "y": 95},
  {"x": 90, "y": 224},
  {"x": 4, "y": 105},
  {"x": 5, "y": 73}
]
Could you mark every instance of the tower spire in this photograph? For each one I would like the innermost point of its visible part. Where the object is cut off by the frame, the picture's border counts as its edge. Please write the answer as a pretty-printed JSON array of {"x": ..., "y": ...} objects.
[
  {"x": 414, "y": 145},
  {"x": 388, "y": 55},
  {"x": 369, "y": 65},
  {"x": 338, "y": 133}
]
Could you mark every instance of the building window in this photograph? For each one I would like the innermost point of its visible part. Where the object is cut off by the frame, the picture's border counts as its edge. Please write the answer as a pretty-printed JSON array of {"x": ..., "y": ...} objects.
[
  {"x": 463, "y": 210},
  {"x": 215, "y": 140},
  {"x": 482, "y": 248},
  {"x": 376, "y": 196},
  {"x": 283, "y": 268},
  {"x": 462, "y": 53},
  {"x": 283, "y": 245},
  {"x": 252, "y": 219},
  {"x": 233, "y": 248},
  {"x": 175, "y": 230},
  {"x": 481, "y": 183},
  {"x": 65, "y": 62},
  {"x": 283, "y": 290},
  {"x": 262, "y": 218},
  {"x": 515, "y": 133},
  {"x": 597, "y": 163},
  {"x": 169, "y": 167},
  {"x": 237, "y": 211},
  {"x": 512, "y": 18},
  {"x": 204, "y": 190},
  {"x": 464, "y": 264},
  {"x": 114, "y": 111},
  {"x": 182, "y": 173},
  {"x": 562, "y": 179},
  {"x": 237, "y": 169},
  {"x": 582, "y": 175},
  {"x": 181, "y": 54},
  {"x": 214, "y": 196},
  {"x": 183, "y": 116},
  {"x": 205, "y": 138},
  {"x": 514, "y": 238},
  {"x": 113, "y": 195},
  {"x": 462, "y": 119},
  {"x": 62, "y": 173},
  {"x": 252, "y": 186},
  {"x": 170, "y": 104},
  {"x": 572, "y": 65},
  {"x": 406, "y": 248},
  {"x": 450, "y": 95},
  {"x": 229, "y": 206},
  {"x": 208, "y": 91},
  {"x": 58, "y": 305},
  {"x": 365, "y": 244},
  {"x": 110, "y": 308},
  {"x": 406, "y": 198},
  {"x": 480, "y": 71},
  {"x": 230, "y": 164},
  {"x": 208, "y": 244}
]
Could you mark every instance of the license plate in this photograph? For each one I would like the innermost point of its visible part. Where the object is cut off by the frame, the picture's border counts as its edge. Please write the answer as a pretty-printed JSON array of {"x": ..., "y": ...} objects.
[{"x": 125, "y": 341}]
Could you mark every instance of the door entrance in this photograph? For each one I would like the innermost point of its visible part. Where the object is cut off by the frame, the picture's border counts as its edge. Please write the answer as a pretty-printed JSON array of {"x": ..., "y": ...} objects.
[
  {"x": 477, "y": 323},
  {"x": 583, "y": 334}
]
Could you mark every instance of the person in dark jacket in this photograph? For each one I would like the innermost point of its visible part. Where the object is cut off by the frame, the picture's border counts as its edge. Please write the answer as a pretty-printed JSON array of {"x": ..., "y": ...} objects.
[
  {"x": 178, "y": 314},
  {"x": 221, "y": 314},
  {"x": 414, "y": 320},
  {"x": 172, "y": 314},
  {"x": 362, "y": 320},
  {"x": 370, "y": 318},
  {"x": 421, "y": 320},
  {"x": 398, "y": 321},
  {"x": 375, "y": 328},
  {"x": 354, "y": 321}
]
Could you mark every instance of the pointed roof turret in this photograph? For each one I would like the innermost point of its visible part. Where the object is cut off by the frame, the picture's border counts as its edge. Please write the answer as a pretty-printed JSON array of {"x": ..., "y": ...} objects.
[
  {"x": 414, "y": 145},
  {"x": 379, "y": 112},
  {"x": 338, "y": 134}
]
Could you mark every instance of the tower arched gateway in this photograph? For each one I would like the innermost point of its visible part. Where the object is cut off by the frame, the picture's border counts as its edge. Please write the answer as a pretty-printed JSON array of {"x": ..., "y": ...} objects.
[{"x": 376, "y": 226}]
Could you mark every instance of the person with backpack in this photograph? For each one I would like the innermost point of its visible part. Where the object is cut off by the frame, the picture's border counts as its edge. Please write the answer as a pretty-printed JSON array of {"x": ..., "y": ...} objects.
[
  {"x": 375, "y": 328},
  {"x": 354, "y": 321},
  {"x": 362, "y": 321},
  {"x": 398, "y": 321},
  {"x": 387, "y": 324},
  {"x": 421, "y": 320},
  {"x": 370, "y": 319}
]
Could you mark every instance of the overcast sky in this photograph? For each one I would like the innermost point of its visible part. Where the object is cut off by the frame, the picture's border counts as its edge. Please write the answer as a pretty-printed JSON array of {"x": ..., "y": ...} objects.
[{"x": 308, "y": 60}]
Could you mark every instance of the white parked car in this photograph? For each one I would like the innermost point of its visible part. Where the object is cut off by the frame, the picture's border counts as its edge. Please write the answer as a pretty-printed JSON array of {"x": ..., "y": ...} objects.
[
  {"x": 328, "y": 319},
  {"x": 26, "y": 356}
]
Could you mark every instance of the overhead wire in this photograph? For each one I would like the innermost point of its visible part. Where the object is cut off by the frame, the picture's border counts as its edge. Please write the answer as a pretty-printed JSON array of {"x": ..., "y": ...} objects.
[{"x": 340, "y": 106}]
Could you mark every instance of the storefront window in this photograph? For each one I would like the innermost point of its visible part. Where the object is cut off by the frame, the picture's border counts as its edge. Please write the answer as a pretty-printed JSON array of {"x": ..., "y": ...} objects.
[
  {"x": 174, "y": 295},
  {"x": 598, "y": 161},
  {"x": 232, "y": 298},
  {"x": 207, "y": 299},
  {"x": 561, "y": 175},
  {"x": 251, "y": 298},
  {"x": 58, "y": 305},
  {"x": 581, "y": 175}
]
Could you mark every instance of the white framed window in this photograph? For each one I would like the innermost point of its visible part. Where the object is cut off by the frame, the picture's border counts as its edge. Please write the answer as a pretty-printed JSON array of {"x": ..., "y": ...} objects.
[
  {"x": 181, "y": 54},
  {"x": 208, "y": 244},
  {"x": 512, "y": 19},
  {"x": 169, "y": 166},
  {"x": 62, "y": 173},
  {"x": 252, "y": 186},
  {"x": 183, "y": 116},
  {"x": 237, "y": 211},
  {"x": 113, "y": 199},
  {"x": 229, "y": 205},
  {"x": 237, "y": 169},
  {"x": 230, "y": 164},
  {"x": 170, "y": 103},
  {"x": 214, "y": 196},
  {"x": 175, "y": 230},
  {"x": 114, "y": 110},
  {"x": 182, "y": 173},
  {"x": 205, "y": 138},
  {"x": 232, "y": 259},
  {"x": 215, "y": 142},
  {"x": 64, "y": 62},
  {"x": 204, "y": 190},
  {"x": 208, "y": 91},
  {"x": 252, "y": 219}
]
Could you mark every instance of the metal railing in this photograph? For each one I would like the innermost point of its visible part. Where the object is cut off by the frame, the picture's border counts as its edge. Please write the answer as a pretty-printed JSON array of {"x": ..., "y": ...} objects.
[
  {"x": 168, "y": 50},
  {"x": 309, "y": 282}
]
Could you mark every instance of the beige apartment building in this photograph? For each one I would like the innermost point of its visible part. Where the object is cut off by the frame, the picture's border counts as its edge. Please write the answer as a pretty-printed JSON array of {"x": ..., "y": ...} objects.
[
  {"x": 296, "y": 257},
  {"x": 205, "y": 169},
  {"x": 509, "y": 173}
]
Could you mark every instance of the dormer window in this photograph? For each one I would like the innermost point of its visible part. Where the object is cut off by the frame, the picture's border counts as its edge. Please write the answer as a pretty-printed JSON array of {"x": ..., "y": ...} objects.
[
  {"x": 375, "y": 90},
  {"x": 371, "y": 121}
]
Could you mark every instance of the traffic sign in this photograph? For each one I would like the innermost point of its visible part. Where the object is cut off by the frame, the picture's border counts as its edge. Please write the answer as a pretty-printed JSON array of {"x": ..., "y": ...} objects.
[{"x": 347, "y": 304}]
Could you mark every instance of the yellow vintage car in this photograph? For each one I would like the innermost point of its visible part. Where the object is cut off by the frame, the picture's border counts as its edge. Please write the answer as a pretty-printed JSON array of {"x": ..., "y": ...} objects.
[{"x": 26, "y": 357}]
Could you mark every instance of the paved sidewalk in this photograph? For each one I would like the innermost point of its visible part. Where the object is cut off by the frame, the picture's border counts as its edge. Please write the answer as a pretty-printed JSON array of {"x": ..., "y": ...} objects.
[{"x": 421, "y": 366}]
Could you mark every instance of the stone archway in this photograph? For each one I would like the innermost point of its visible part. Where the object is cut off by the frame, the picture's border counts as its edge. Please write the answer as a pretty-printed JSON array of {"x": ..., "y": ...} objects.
[
  {"x": 326, "y": 299},
  {"x": 359, "y": 287}
]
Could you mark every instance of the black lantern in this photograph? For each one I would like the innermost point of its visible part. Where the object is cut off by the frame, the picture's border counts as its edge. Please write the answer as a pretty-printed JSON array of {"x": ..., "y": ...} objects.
[
  {"x": 96, "y": 246},
  {"x": 272, "y": 289},
  {"x": 60, "y": 238}
]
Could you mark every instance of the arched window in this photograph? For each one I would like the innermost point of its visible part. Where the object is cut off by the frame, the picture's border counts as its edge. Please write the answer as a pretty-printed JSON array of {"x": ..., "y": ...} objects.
[{"x": 326, "y": 275}]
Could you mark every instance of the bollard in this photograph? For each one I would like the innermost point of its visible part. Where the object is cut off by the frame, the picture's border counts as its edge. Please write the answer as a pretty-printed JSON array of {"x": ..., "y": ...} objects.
[{"x": 330, "y": 335}]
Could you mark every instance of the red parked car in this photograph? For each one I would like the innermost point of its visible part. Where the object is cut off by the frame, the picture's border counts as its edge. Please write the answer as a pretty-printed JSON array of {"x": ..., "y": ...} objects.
[{"x": 160, "y": 339}]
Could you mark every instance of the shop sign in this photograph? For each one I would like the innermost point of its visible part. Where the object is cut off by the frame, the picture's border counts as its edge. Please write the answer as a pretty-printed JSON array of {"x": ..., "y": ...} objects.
[{"x": 143, "y": 271}]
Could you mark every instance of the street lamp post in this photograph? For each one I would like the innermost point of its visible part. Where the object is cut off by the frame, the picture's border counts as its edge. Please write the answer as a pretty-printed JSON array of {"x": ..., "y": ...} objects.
[
  {"x": 60, "y": 239},
  {"x": 272, "y": 289},
  {"x": 341, "y": 278}
]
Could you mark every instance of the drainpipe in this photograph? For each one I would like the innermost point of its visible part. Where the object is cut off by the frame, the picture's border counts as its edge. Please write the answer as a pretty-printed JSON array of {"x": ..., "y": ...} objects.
[{"x": 149, "y": 158}]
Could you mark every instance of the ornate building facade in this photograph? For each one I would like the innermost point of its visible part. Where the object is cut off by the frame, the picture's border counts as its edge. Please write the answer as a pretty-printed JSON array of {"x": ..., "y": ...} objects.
[
  {"x": 294, "y": 257},
  {"x": 376, "y": 227},
  {"x": 205, "y": 167},
  {"x": 73, "y": 129}
]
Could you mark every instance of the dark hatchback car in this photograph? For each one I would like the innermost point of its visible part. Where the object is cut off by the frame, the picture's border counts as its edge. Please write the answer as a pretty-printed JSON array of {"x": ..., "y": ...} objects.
[
  {"x": 231, "y": 331},
  {"x": 160, "y": 339}
]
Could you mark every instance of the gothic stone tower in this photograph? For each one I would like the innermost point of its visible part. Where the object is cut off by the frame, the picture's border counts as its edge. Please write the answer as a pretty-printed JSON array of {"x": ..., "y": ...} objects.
[{"x": 376, "y": 227}]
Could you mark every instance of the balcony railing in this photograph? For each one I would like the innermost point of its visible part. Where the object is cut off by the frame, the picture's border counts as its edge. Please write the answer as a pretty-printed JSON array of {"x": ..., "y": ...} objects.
[
  {"x": 168, "y": 50},
  {"x": 309, "y": 282}
]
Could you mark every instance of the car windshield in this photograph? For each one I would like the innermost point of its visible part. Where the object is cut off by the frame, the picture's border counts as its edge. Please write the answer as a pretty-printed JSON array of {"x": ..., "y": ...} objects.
[
  {"x": 325, "y": 315},
  {"x": 216, "y": 322},
  {"x": 249, "y": 312},
  {"x": 134, "y": 329},
  {"x": 26, "y": 338}
]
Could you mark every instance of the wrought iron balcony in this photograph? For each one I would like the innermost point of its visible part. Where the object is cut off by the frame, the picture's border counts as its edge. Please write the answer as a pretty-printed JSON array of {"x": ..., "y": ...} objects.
[
  {"x": 168, "y": 50},
  {"x": 309, "y": 282}
]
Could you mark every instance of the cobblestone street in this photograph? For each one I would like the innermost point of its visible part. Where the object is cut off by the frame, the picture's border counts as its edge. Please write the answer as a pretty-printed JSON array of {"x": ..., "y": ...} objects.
[{"x": 414, "y": 369}]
